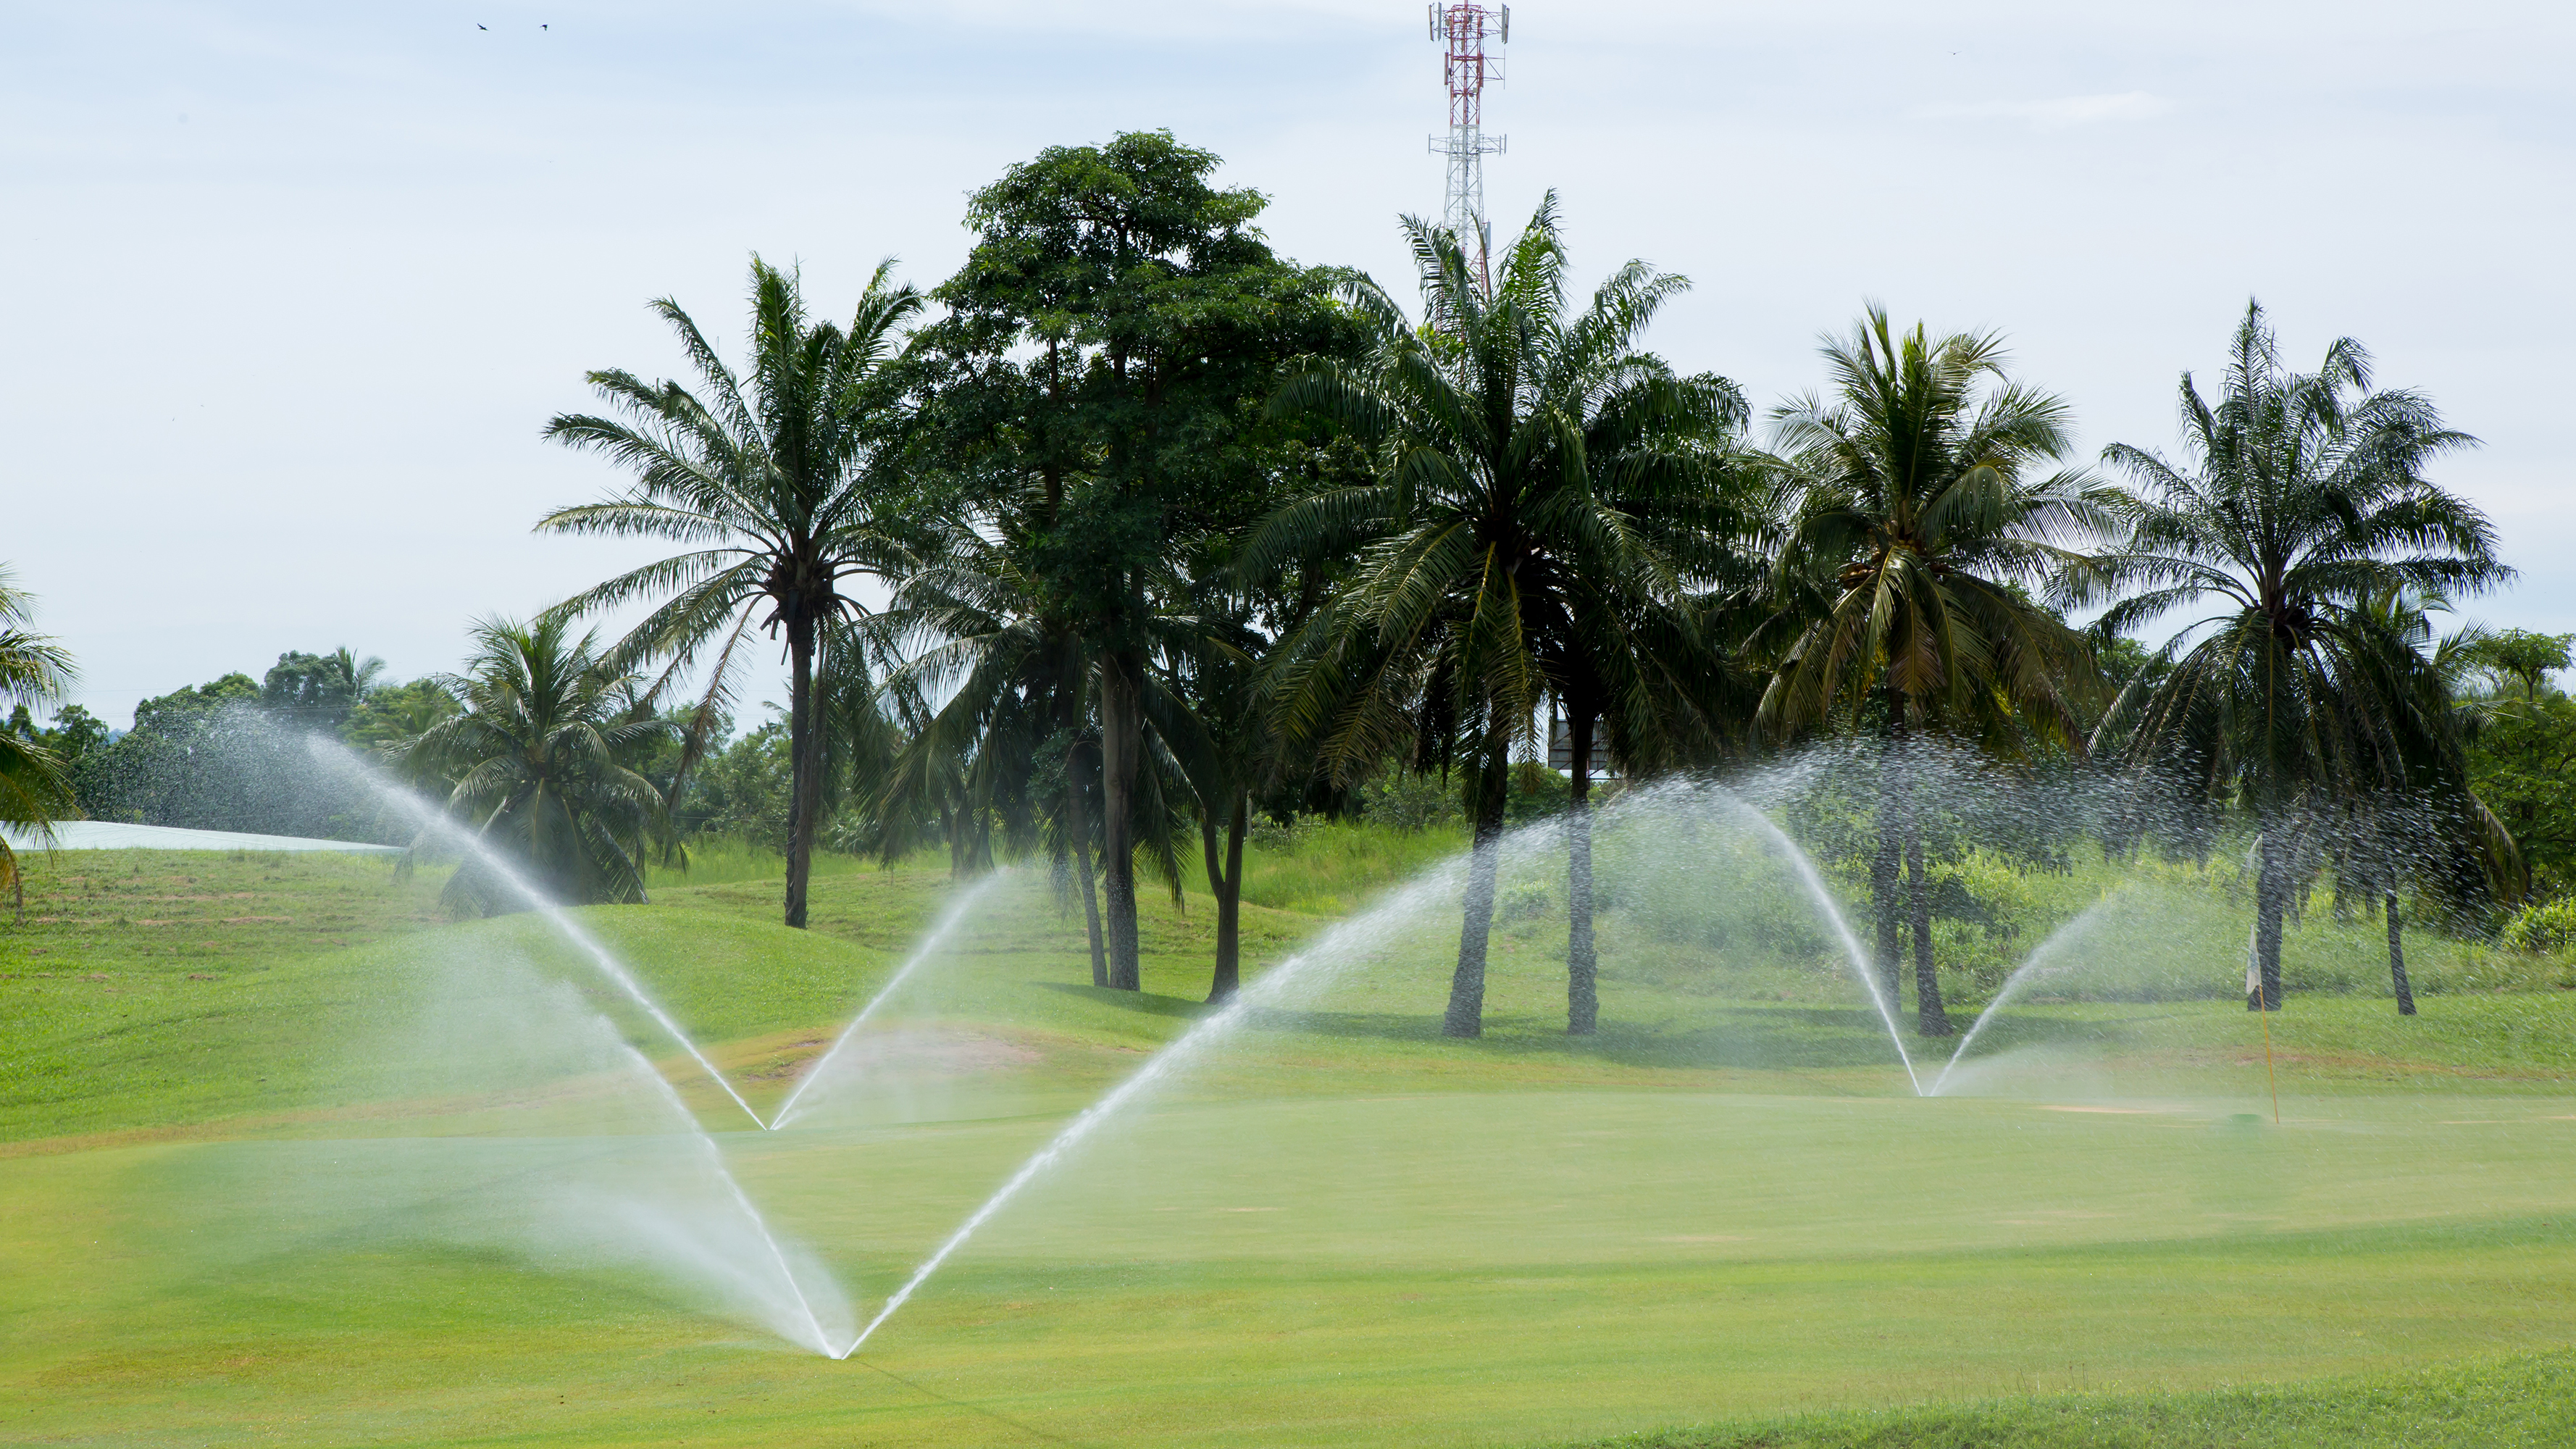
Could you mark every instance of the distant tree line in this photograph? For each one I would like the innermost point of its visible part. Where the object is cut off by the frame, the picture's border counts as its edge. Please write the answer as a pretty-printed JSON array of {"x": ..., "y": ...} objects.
[{"x": 231, "y": 755}]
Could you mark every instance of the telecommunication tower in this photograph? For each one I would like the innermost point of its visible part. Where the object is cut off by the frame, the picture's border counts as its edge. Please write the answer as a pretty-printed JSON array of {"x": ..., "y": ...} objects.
[{"x": 1463, "y": 30}]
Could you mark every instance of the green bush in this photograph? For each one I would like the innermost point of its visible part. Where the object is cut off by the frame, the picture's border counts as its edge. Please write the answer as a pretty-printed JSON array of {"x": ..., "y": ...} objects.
[
  {"x": 1408, "y": 802},
  {"x": 1273, "y": 835},
  {"x": 1525, "y": 902},
  {"x": 2543, "y": 926}
]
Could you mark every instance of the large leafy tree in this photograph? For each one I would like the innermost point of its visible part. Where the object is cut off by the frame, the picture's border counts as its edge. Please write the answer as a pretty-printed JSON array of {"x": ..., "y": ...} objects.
[
  {"x": 318, "y": 691},
  {"x": 1924, "y": 507},
  {"x": 2524, "y": 765},
  {"x": 2298, "y": 499},
  {"x": 1213, "y": 720},
  {"x": 777, "y": 479},
  {"x": 2521, "y": 656},
  {"x": 1543, "y": 494},
  {"x": 1108, "y": 345},
  {"x": 208, "y": 757},
  {"x": 540, "y": 764},
  {"x": 35, "y": 787}
]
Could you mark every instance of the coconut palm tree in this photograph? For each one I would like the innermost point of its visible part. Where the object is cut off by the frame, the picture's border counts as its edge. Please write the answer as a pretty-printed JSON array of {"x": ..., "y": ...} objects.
[
  {"x": 975, "y": 630},
  {"x": 777, "y": 480},
  {"x": 2299, "y": 499},
  {"x": 1923, "y": 506},
  {"x": 538, "y": 763},
  {"x": 1018, "y": 685},
  {"x": 35, "y": 789},
  {"x": 1541, "y": 487}
]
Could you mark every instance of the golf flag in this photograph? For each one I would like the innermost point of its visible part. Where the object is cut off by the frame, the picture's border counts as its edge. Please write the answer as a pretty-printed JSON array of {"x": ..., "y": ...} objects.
[{"x": 2254, "y": 1002}]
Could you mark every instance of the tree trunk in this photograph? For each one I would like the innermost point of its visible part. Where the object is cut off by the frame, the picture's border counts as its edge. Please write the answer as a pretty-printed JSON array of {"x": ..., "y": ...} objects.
[
  {"x": 1885, "y": 875},
  {"x": 2270, "y": 904},
  {"x": 2397, "y": 959},
  {"x": 1227, "y": 886},
  {"x": 805, "y": 764},
  {"x": 1929, "y": 1018},
  {"x": 1582, "y": 993},
  {"x": 1887, "y": 866},
  {"x": 1121, "y": 743},
  {"x": 1079, "y": 827},
  {"x": 1466, "y": 1014}
]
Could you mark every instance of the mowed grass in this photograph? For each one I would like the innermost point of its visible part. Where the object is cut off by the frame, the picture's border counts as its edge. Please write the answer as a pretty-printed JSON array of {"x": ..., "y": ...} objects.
[
  {"x": 2523, "y": 1402},
  {"x": 166, "y": 912},
  {"x": 1336, "y": 1227},
  {"x": 1452, "y": 1269}
]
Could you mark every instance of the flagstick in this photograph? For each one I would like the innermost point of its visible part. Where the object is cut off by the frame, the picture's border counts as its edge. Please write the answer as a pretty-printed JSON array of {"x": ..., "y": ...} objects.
[{"x": 2262, "y": 1000}]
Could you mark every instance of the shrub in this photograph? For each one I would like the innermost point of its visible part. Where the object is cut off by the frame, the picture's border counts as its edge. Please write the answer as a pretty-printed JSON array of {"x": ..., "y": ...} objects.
[
  {"x": 1409, "y": 803},
  {"x": 1272, "y": 834},
  {"x": 1522, "y": 903},
  {"x": 2545, "y": 926}
]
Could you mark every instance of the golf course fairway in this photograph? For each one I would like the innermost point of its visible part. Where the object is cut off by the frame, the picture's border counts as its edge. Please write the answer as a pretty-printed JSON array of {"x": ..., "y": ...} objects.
[{"x": 1341, "y": 1230}]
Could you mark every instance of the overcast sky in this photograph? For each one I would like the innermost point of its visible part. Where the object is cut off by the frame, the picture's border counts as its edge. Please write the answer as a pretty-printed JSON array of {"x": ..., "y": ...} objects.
[{"x": 290, "y": 290}]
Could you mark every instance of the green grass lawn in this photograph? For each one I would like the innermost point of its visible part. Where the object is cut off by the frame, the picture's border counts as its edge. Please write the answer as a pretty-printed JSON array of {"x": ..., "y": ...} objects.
[
  {"x": 2521, "y": 1402},
  {"x": 294, "y": 1190}
]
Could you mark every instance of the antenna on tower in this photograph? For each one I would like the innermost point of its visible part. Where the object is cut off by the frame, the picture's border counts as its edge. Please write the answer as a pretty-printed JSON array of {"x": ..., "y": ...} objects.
[{"x": 1463, "y": 28}]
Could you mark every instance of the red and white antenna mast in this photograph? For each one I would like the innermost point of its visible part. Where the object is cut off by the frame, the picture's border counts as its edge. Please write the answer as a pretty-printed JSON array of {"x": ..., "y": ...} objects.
[{"x": 1463, "y": 29}]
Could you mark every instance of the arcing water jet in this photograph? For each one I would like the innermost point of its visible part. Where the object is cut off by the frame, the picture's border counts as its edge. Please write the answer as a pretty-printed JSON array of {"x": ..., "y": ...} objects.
[
  {"x": 2033, "y": 967},
  {"x": 1338, "y": 945},
  {"x": 949, "y": 921},
  {"x": 607, "y": 963},
  {"x": 820, "y": 1341},
  {"x": 1825, "y": 906}
]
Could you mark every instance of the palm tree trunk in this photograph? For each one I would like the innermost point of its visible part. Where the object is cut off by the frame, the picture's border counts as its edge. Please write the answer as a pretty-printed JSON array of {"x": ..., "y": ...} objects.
[
  {"x": 1078, "y": 825},
  {"x": 1582, "y": 993},
  {"x": 1466, "y": 1014},
  {"x": 805, "y": 765},
  {"x": 1121, "y": 744},
  {"x": 1887, "y": 867},
  {"x": 2271, "y": 903},
  {"x": 1885, "y": 874},
  {"x": 1929, "y": 1018},
  {"x": 2397, "y": 959},
  {"x": 1227, "y": 886}
]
